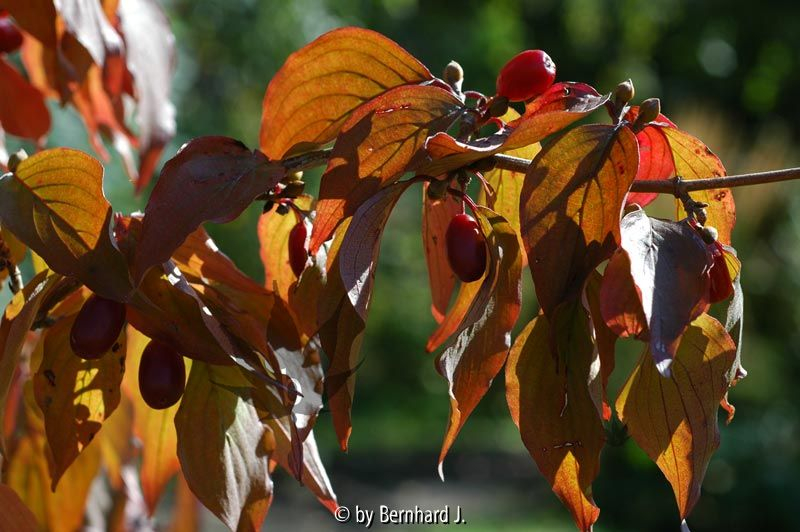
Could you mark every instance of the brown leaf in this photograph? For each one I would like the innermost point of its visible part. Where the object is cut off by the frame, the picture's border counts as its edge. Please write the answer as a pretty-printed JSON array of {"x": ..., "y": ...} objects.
[
  {"x": 75, "y": 395},
  {"x": 223, "y": 448},
  {"x": 557, "y": 417},
  {"x": 210, "y": 179},
  {"x": 473, "y": 357},
  {"x": 436, "y": 217},
  {"x": 320, "y": 85},
  {"x": 620, "y": 301},
  {"x": 37, "y": 17},
  {"x": 151, "y": 58},
  {"x": 378, "y": 143},
  {"x": 674, "y": 419},
  {"x": 23, "y": 112},
  {"x": 16, "y": 516},
  {"x": 17, "y": 319},
  {"x": 570, "y": 207},
  {"x": 669, "y": 264},
  {"x": 55, "y": 204}
]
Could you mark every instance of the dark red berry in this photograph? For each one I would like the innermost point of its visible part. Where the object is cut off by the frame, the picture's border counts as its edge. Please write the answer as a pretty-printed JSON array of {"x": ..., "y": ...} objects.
[
  {"x": 97, "y": 327},
  {"x": 10, "y": 36},
  {"x": 162, "y": 375},
  {"x": 298, "y": 248},
  {"x": 526, "y": 76},
  {"x": 721, "y": 286},
  {"x": 466, "y": 248}
]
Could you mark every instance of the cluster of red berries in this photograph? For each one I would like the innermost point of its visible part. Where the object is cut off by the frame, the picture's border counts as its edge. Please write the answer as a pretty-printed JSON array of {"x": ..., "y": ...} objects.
[{"x": 162, "y": 373}]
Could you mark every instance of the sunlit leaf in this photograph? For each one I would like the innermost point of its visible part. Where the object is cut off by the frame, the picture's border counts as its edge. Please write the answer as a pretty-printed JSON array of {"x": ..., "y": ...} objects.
[
  {"x": 116, "y": 439},
  {"x": 54, "y": 203},
  {"x": 674, "y": 420},
  {"x": 669, "y": 264},
  {"x": 655, "y": 157},
  {"x": 86, "y": 20},
  {"x": 209, "y": 179},
  {"x": 436, "y": 217},
  {"x": 476, "y": 353},
  {"x": 550, "y": 401},
  {"x": 378, "y": 143},
  {"x": 75, "y": 395},
  {"x": 605, "y": 339},
  {"x": 321, "y": 84},
  {"x": 570, "y": 207},
  {"x": 23, "y": 112},
  {"x": 224, "y": 449}
]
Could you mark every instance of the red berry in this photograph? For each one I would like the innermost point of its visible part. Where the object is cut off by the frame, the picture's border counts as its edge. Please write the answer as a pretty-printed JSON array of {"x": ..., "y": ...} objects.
[
  {"x": 97, "y": 327},
  {"x": 466, "y": 248},
  {"x": 298, "y": 248},
  {"x": 162, "y": 375},
  {"x": 527, "y": 75},
  {"x": 721, "y": 286},
  {"x": 10, "y": 36}
]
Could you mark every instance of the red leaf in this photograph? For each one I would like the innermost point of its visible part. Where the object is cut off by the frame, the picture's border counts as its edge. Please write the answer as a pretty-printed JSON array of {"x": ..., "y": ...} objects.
[
  {"x": 620, "y": 301},
  {"x": 674, "y": 420},
  {"x": 570, "y": 207},
  {"x": 378, "y": 143},
  {"x": 320, "y": 85},
  {"x": 557, "y": 417},
  {"x": 23, "y": 112},
  {"x": 655, "y": 162},
  {"x": 436, "y": 216},
  {"x": 210, "y": 179},
  {"x": 477, "y": 352}
]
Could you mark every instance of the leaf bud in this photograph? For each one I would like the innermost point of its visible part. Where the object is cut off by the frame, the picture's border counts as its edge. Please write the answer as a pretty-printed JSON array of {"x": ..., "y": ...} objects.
[
  {"x": 623, "y": 93},
  {"x": 282, "y": 209},
  {"x": 454, "y": 75},
  {"x": 498, "y": 106},
  {"x": 649, "y": 110},
  {"x": 709, "y": 234},
  {"x": 437, "y": 189},
  {"x": 293, "y": 189}
]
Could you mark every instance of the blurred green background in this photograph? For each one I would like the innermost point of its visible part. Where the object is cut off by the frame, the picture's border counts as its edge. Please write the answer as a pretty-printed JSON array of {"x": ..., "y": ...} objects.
[{"x": 726, "y": 71}]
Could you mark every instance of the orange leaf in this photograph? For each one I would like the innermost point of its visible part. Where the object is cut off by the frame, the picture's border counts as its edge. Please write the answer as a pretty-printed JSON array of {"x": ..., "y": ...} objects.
[
  {"x": 436, "y": 217},
  {"x": 604, "y": 338},
  {"x": 557, "y": 417},
  {"x": 16, "y": 516},
  {"x": 75, "y": 395},
  {"x": 55, "y": 204},
  {"x": 378, "y": 143},
  {"x": 674, "y": 420},
  {"x": 473, "y": 357},
  {"x": 23, "y": 112},
  {"x": 620, "y": 302},
  {"x": 570, "y": 207},
  {"x": 321, "y": 84},
  {"x": 655, "y": 157}
]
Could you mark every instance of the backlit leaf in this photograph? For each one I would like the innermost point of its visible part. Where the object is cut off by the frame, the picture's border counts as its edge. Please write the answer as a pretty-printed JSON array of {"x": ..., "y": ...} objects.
[
  {"x": 655, "y": 157},
  {"x": 223, "y": 449},
  {"x": 210, "y": 179},
  {"x": 570, "y": 207},
  {"x": 550, "y": 401},
  {"x": 23, "y": 112},
  {"x": 16, "y": 516},
  {"x": 75, "y": 395},
  {"x": 320, "y": 85},
  {"x": 674, "y": 419},
  {"x": 436, "y": 217},
  {"x": 620, "y": 300},
  {"x": 605, "y": 339},
  {"x": 54, "y": 203},
  {"x": 378, "y": 143},
  {"x": 669, "y": 264},
  {"x": 86, "y": 20},
  {"x": 476, "y": 353}
]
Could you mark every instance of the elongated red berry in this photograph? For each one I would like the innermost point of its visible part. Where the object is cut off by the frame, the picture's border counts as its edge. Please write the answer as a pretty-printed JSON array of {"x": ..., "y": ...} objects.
[
  {"x": 721, "y": 286},
  {"x": 298, "y": 248},
  {"x": 466, "y": 248},
  {"x": 10, "y": 36},
  {"x": 527, "y": 75},
  {"x": 96, "y": 327},
  {"x": 162, "y": 375}
]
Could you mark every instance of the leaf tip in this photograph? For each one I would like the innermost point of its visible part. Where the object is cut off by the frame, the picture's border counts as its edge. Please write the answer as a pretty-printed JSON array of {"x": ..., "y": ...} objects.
[{"x": 440, "y": 470}]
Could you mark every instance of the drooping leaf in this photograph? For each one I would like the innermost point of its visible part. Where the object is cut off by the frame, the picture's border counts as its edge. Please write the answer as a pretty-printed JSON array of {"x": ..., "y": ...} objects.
[
  {"x": 37, "y": 17},
  {"x": 674, "y": 419},
  {"x": 23, "y": 112},
  {"x": 224, "y": 449},
  {"x": 669, "y": 264},
  {"x": 605, "y": 339},
  {"x": 86, "y": 20},
  {"x": 550, "y": 401},
  {"x": 379, "y": 142},
  {"x": 570, "y": 207},
  {"x": 16, "y": 516},
  {"x": 117, "y": 441},
  {"x": 151, "y": 58},
  {"x": 17, "y": 319},
  {"x": 154, "y": 428},
  {"x": 54, "y": 203},
  {"x": 186, "y": 514},
  {"x": 27, "y": 475},
  {"x": 209, "y": 179},
  {"x": 694, "y": 160},
  {"x": 455, "y": 315},
  {"x": 734, "y": 323},
  {"x": 320, "y": 85},
  {"x": 561, "y": 105},
  {"x": 620, "y": 300},
  {"x": 476, "y": 353},
  {"x": 436, "y": 217},
  {"x": 75, "y": 395}
]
